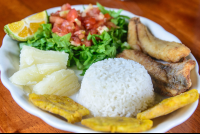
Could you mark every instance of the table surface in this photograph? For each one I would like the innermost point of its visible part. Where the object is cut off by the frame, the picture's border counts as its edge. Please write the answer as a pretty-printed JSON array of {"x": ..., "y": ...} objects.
[{"x": 180, "y": 17}]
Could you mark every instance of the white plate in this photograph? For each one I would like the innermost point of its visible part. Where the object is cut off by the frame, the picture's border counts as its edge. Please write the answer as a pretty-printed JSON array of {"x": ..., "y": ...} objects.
[{"x": 9, "y": 63}]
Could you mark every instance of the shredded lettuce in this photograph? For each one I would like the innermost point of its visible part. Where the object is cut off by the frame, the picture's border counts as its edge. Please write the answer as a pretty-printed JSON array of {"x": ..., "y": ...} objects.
[{"x": 108, "y": 45}]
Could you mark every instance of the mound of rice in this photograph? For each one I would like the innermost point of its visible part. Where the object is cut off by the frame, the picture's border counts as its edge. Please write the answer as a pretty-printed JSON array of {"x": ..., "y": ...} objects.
[{"x": 116, "y": 87}]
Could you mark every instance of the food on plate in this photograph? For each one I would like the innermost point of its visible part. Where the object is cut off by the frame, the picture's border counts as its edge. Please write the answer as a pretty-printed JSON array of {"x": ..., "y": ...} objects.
[
  {"x": 25, "y": 29},
  {"x": 44, "y": 72},
  {"x": 132, "y": 37},
  {"x": 69, "y": 20},
  {"x": 87, "y": 36},
  {"x": 112, "y": 89},
  {"x": 30, "y": 56},
  {"x": 28, "y": 89},
  {"x": 80, "y": 24},
  {"x": 63, "y": 82},
  {"x": 117, "y": 124},
  {"x": 140, "y": 38},
  {"x": 168, "y": 79},
  {"x": 169, "y": 105},
  {"x": 116, "y": 87},
  {"x": 60, "y": 105},
  {"x": 35, "y": 73}
]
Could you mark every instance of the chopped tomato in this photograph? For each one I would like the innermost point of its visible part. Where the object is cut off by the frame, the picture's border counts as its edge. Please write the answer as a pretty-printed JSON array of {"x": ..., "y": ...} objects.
[
  {"x": 80, "y": 34},
  {"x": 80, "y": 18},
  {"x": 72, "y": 15},
  {"x": 87, "y": 43},
  {"x": 64, "y": 30},
  {"x": 56, "y": 28},
  {"x": 95, "y": 10},
  {"x": 99, "y": 23},
  {"x": 90, "y": 20},
  {"x": 76, "y": 41},
  {"x": 77, "y": 28},
  {"x": 56, "y": 13},
  {"x": 93, "y": 31},
  {"x": 88, "y": 26},
  {"x": 68, "y": 25},
  {"x": 65, "y": 7},
  {"x": 53, "y": 18},
  {"x": 68, "y": 20},
  {"x": 107, "y": 16},
  {"x": 59, "y": 20}
]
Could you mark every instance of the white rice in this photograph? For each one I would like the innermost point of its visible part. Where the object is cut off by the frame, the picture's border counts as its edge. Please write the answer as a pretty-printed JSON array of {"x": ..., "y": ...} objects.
[{"x": 116, "y": 87}]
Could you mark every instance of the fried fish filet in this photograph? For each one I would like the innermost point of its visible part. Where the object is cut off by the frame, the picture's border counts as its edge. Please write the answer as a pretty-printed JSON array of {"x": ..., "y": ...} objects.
[
  {"x": 140, "y": 38},
  {"x": 168, "y": 79}
]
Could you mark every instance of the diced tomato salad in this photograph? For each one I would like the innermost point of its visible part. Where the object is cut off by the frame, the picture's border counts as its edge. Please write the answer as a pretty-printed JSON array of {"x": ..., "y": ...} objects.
[{"x": 80, "y": 24}]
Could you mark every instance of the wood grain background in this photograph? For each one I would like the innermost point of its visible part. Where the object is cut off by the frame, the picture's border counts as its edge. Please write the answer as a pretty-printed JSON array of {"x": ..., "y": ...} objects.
[{"x": 179, "y": 17}]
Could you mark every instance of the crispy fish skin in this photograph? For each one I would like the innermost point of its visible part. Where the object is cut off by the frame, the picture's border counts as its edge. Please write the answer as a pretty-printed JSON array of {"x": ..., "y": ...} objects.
[
  {"x": 169, "y": 105},
  {"x": 157, "y": 48},
  {"x": 132, "y": 37},
  {"x": 60, "y": 105},
  {"x": 117, "y": 124},
  {"x": 168, "y": 79}
]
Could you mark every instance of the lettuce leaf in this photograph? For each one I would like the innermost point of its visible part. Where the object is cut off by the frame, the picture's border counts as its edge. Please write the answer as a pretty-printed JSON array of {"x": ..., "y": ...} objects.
[{"x": 111, "y": 12}]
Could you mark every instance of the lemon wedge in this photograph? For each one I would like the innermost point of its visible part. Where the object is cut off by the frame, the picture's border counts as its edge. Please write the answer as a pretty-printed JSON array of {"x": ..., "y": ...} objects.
[{"x": 25, "y": 29}]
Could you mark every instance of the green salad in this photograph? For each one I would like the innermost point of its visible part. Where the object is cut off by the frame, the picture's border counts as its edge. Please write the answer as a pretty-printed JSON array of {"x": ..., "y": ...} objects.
[{"x": 106, "y": 44}]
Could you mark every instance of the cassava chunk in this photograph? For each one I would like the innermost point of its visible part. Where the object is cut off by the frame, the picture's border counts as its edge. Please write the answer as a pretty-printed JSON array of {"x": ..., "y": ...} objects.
[
  {"x": 30, "y": 55},
  {"x": 35, "y": 73},
  {"x": 62, "y": 82}
]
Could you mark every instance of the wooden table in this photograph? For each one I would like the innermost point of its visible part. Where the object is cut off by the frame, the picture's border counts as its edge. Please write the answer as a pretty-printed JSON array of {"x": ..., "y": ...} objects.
[{"x": 179, "y": 17}]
